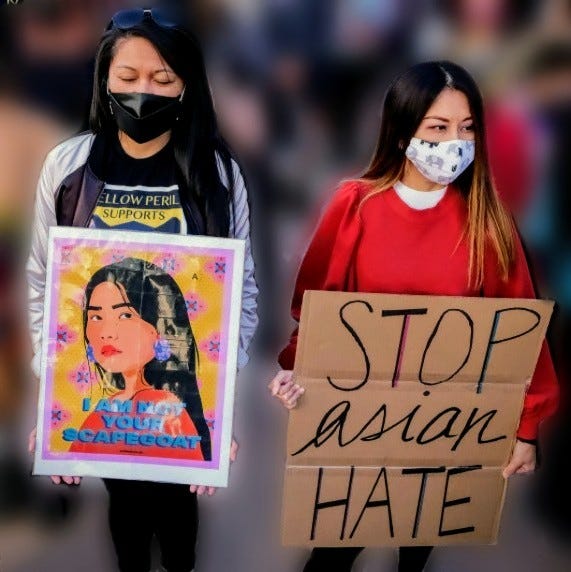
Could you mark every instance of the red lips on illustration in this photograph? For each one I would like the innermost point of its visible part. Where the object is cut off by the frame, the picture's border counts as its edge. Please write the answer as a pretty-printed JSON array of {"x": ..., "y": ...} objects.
[{"x": 108, "y": 351}]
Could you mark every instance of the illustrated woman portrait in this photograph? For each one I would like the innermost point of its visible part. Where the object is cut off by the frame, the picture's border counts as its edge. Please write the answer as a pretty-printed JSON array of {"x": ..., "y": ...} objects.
[{"x": 139, "y": 339}]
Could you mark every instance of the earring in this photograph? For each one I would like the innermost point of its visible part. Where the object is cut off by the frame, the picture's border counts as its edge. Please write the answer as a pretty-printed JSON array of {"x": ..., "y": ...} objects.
[
  {"x": 162, "y": 349},
  {"x": 90, "y": 354}
]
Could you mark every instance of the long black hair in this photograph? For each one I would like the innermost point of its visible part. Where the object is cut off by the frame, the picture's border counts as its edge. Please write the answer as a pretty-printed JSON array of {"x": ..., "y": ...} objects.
[
  {"x": 157, "y": 298},
  {"x": 197, "y": 142}
]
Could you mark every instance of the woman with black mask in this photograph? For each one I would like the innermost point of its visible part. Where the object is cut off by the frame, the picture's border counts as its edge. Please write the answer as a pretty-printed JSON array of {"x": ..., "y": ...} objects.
[{"x": 153, "y": 161}]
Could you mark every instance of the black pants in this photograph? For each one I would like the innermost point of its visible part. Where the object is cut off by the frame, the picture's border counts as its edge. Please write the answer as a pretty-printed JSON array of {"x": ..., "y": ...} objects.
[
  {"x": 138, "y": 510},
  {"x": 411, "y": 559}
]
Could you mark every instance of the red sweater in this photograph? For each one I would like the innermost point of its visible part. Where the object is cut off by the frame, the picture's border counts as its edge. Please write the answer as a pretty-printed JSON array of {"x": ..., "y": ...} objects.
[{"x": 386, "y": 246}]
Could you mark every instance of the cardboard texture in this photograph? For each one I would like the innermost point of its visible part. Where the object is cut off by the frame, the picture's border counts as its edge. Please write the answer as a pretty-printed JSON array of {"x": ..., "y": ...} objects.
[{"x": 410, "y": 413}]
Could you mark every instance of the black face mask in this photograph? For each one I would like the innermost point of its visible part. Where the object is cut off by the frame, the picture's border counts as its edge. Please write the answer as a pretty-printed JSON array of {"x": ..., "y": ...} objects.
[{"x": 144, "y": 116}]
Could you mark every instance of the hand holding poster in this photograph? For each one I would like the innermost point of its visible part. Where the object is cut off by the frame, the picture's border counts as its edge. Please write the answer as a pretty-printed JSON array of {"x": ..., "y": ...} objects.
[
  {"x": 410, "y": 412},
  {"x": 139, "y": 356}
]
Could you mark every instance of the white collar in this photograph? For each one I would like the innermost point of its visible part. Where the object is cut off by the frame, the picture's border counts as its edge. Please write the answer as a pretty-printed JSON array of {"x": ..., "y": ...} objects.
[{"x": 419, "y": 200}]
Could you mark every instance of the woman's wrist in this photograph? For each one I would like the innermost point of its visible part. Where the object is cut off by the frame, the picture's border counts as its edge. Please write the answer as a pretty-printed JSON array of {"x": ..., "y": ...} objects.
[{"x": 528, "y": 441}]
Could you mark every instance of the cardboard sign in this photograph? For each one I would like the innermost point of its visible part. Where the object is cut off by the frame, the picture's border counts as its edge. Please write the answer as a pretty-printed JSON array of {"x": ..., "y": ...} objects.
[
  {"x": 409, "y": 415},
  {"x": 139, "y": 352}
]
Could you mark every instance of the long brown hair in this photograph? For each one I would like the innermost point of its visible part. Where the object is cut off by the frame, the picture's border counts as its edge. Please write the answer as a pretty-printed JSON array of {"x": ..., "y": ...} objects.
[{"x": 407, "y": 100}]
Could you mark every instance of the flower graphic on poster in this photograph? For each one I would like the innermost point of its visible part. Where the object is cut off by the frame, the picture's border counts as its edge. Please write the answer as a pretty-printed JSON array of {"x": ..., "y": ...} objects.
[
  {"x": 167, "y": 262},
  {"x": 216, "y": 267},
  {"x": 211, "y": 346},
  {"x": 210, "y": 419},
  {"x": 194, "y": 305},
  {"x": 66, "y": 255},
  {"x": 114, "y": 255},
  {"x": 58, "y": 416},
  {"x": 64, "y": 337},
  {"x": 82, "y": 377}
]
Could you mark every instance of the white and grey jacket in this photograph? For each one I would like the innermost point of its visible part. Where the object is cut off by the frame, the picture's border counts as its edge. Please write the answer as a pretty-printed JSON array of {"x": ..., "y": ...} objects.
[{"x": 67, "y": 166}]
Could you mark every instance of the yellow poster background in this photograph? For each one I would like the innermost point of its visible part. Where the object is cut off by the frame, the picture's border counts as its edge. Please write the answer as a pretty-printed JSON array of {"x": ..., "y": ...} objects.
[{"x": 75, "y": 379}]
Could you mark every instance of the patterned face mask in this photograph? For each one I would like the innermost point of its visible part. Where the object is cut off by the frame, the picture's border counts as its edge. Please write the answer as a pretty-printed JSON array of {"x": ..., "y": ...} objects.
[{"x": 441, "y": 162}]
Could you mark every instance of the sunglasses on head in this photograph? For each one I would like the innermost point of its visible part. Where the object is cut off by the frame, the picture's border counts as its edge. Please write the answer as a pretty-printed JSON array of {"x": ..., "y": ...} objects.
[{"x": 127, "y": 19}]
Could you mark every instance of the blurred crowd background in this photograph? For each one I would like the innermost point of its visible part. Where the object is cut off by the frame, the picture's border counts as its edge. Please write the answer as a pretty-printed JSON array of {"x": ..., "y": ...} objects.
[{"x": 298, "y": 87}]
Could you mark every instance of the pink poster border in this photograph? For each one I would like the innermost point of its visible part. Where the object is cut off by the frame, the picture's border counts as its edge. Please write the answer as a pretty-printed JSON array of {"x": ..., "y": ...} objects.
[{"x": 127, "y": 245}]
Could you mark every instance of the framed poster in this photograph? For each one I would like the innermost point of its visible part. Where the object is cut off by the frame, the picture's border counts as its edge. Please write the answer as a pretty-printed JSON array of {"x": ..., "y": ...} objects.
[{"x": 139, "y": 352}]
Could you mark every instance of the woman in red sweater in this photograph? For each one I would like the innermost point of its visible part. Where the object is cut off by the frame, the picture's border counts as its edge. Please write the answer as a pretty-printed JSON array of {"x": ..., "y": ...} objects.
[{"x": 423, "y": 219}]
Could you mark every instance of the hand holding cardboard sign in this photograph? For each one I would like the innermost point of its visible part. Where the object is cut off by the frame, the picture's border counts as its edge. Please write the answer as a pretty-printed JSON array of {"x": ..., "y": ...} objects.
[
  {"x": 405, "y": 437},
  {"x": 56, "y": 479},
  {"x": 284, "y": 388},
  {"x": 201, "y": 489},
  {"x": 522, "y": 461}
]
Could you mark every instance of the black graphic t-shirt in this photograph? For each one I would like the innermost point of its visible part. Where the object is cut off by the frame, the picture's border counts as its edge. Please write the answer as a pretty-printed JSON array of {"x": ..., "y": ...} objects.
[{"x": 140, "y": 194}]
